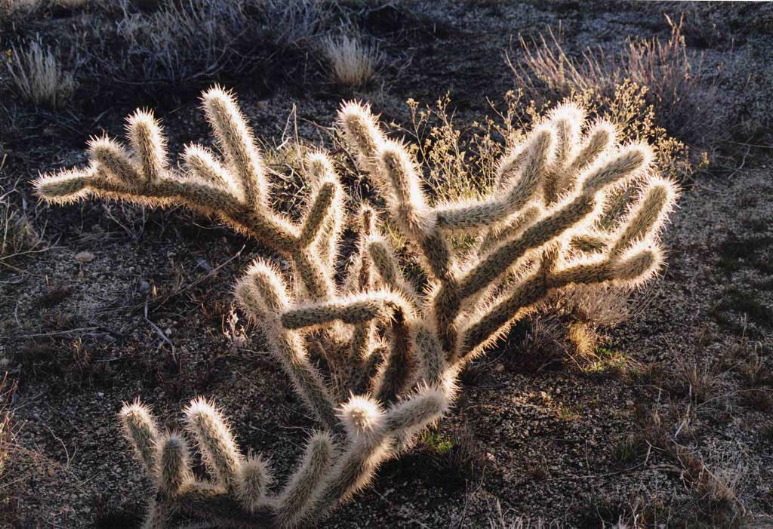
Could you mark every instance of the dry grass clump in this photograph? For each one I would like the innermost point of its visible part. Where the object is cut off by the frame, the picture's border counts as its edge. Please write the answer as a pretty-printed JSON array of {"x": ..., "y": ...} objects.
[
  {"x": 352, "y": 62},
  {"x": 155, "y": 42},
  {"x": 28, "y": 7},
  {"x": 196, "y": 40},
  {"x": 18, "y": 234},
  {"x": 180, "y": 42},
  {"x": 13, "y": 8},
  {"x": 673, "y": 77},
  {"x": 39, "y": 76},
  {"x": 7, "y": 392},
  {"x": 294, "y": 22},
  {"x": 696, "y": 379}
]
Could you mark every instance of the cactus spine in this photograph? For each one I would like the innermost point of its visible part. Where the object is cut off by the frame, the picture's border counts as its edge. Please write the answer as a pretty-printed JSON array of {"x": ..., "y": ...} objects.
[{"x": 391, "y": 354}]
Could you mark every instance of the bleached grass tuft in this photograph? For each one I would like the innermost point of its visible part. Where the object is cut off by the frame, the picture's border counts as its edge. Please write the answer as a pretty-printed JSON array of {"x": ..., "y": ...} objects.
[
  {"x": 39, "y": 77},
  {"x": 352, "y": 63}
]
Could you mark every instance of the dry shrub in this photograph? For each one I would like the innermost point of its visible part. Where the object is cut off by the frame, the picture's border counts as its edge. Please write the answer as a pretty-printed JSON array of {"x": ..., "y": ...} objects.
[
  {"x": 461, "y": 164},
  {"x": 352, "y": 63},
  {"x": 39, "y": 77},
  {"x": 674, "y": 78}
]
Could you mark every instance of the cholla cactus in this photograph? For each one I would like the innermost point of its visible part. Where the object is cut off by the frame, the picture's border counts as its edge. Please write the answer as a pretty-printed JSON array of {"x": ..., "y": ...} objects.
[{"x": 391, "y": 354}]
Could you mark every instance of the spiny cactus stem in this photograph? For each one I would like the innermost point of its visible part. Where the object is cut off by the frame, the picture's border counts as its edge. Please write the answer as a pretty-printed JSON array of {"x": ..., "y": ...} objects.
[
  {"x": 316, "y": 280},
  {"x": 385, "y": 264},
  {"x": 141, "y": 430},
  {"x": 532, "y": 290},
  {"x": 436, "y": 253},
  {"x": 501, "y": 259},
  {"x": 289, "y": 349},
  {"x": 512, "y": 229},
  {"x": 400, "y": 365},
  {"x": 355, "y": 309},
  {"x": 237, "y": 144},
  {"x": 448, "y": 301},
  {"x": 300, "y": 494},
  {"x": 318, "y": 213},
  {"x": 206, "y": 199},
  {"x": 490, "y": 212}
]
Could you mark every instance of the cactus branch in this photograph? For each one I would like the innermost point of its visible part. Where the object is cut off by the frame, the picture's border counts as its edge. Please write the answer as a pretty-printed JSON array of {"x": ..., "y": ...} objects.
[{"x": 374, "y": 358}]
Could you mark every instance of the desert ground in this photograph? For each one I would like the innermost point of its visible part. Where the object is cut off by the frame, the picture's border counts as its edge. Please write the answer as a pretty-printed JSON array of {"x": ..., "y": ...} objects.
[{"x": 664, "y": 420}]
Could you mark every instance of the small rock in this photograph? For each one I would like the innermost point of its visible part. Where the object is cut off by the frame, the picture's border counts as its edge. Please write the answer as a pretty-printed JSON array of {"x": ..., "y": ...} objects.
[
  {"x": 84, "y": 257},
  {"x": 499, "y": 368},
  {"x": 100, "y": 394}
]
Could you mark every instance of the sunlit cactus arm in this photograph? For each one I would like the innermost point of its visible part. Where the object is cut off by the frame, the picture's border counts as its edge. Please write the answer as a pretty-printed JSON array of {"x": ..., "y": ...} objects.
[
  {"x": 319, "y": 169},
  {"x": 317, "y": 278},
  {"x": 404, "y": 194},
  {"x": 326, "y": 202},
  {"x": 149, "y": 144},
  {"x": 264, "y": 296},
  {"x": 568, "y": 215},
  {"x": 174, "y": 465},
  {"x": 646, "y": 217},
  {"x": 238, "y": 146},
  {"x": 429, "y": 403},
  {"x": 200, "y": 162},
  {"x": 368, "y": 446},
  {"x": 599, "y": 139},
  {"x": 141, "y": 430},
  {"x": 236, "y": 193},
  {"x": 533, "y": 162},
  {"x": 362, "y": 133},
  {"x": 499, "y": 318},
  {"x": 216, "y": 443},
  {"x": 252, "y": 484},
  {"x": 448, "y": 301},
  {"x": 113, "y": 159},
  {"x": 371, "y": 431},
  {"x": 589, "y": 242},
  {"x": 631, "y": 259},
  {"x": 386, "y": 265},
  {"x": 430, "y": 354},
  {"x": 565, "y": 120},
  {"x": 395, "y": 175},
  {"x": 376, "y": 305},
  {"x": 300, "y": 495},
  {"x": 363, "y": 333},
  {"x": 399, "y": 366},
  {"x": 511, "y": 228}
]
